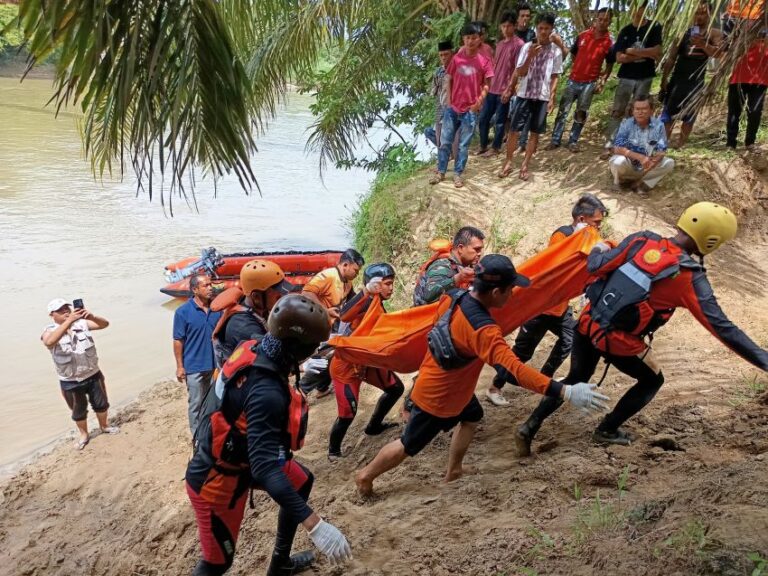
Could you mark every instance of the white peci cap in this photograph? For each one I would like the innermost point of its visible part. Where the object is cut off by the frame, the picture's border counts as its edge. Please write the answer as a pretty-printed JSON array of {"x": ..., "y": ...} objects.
[{"x": 56, "y": 303}]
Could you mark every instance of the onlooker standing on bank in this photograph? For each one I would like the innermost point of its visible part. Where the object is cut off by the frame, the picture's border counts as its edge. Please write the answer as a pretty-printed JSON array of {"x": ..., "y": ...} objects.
[
  {"x": 590, "y": 49},
  {"x": 497, "y": 102},
  {"x": 193, "y": 324},
  {"x": 77, "y": 364},
  {"x": 638, "y": 48},
  {"x": 747, "y": 86}
]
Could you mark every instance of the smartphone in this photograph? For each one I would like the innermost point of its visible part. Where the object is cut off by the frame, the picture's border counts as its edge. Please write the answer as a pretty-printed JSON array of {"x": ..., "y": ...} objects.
[
  {"x": 534, "y": 41},
  {"x": 77, "y": 304},
  {"x": 695, "y": 31}
]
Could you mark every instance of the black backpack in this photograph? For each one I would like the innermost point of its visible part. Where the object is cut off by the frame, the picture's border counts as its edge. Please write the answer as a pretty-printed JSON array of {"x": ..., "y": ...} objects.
[{"x": 439, "y": 339}]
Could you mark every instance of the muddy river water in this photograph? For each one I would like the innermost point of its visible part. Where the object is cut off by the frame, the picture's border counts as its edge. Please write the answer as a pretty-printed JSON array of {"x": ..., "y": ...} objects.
[{"x": 63, "y": 234}]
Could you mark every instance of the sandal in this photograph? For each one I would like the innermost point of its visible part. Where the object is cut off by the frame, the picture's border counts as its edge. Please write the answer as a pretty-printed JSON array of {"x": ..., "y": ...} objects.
[
  {"x": 110, "y": 430},
  {"x": 524, "y": 174},
  {"x": 458, "y": 182},
  {"x": 437, "y": 178},
  {"x": 79, "y": 445},
  {"x": 504, "y": 172}
]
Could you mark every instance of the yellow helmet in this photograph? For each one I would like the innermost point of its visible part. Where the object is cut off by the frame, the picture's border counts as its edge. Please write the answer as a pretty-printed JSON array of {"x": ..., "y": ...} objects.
[
  {"x": 708, "y": 224},
  {"x": 261, "y": 275}
]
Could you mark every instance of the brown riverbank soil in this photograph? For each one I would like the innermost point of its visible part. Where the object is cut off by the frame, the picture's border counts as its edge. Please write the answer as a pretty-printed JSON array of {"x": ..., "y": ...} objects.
[{"x": 689, "y": 497}]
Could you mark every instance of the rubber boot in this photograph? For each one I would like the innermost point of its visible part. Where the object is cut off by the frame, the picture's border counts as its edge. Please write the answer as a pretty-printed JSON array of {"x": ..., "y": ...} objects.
[
  {"x": 387, "y": 400},
  {"x": 618, "y": 436},
  {"x": 338, "y": 431},
  {"x": 281, "y": 566},
  {"x": 526, "y": 433},
  {"x": 203, "y": 568}
]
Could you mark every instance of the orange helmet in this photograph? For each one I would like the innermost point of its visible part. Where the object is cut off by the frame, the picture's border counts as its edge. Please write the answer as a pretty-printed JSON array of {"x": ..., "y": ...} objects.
[{"x": 261, "y": 275}]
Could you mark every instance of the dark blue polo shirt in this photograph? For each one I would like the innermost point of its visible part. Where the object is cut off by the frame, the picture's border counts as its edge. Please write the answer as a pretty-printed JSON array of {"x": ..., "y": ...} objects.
[{"x": 194, "y": 326}]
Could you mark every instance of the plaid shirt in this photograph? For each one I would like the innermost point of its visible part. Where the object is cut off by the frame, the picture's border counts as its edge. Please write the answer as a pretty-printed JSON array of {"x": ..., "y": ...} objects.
[
  {"x": 442, "y": 96},
  {"x": 644, "y": 141},
  {"x": 535, "y": 85}
]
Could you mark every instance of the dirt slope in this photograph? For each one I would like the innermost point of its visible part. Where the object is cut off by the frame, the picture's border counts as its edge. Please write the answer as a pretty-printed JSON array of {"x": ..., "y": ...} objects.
[{"x": 690, "y": 497}]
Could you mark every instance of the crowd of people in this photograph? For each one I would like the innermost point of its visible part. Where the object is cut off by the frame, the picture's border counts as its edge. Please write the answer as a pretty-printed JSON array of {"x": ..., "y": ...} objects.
[{"x": 513, "y": 89}]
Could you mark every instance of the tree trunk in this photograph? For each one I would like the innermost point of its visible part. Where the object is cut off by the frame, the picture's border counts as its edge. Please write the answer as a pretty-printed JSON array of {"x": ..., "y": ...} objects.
[{"x": 580, "y": 14}]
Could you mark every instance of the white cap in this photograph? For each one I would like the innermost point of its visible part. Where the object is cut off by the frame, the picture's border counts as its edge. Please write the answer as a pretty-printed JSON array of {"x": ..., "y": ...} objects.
[{"x": 56, "y": 303}]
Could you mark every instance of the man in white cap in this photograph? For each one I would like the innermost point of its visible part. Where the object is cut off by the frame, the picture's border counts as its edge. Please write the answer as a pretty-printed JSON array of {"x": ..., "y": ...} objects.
[{"x": 74, "y": 356}]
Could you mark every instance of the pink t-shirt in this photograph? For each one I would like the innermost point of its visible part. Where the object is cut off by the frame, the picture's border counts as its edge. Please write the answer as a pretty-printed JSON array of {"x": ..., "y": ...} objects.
[
  {"x": 468, "y": 73},
  {"x": 504, "y": 64}
]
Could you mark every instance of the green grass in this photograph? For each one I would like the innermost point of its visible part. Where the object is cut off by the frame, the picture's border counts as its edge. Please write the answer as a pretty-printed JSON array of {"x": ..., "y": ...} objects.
[
  {"x": 499, "y": 240},
  {"x": 691, "y": 539},
  {"x": 760, "y": 564},
  {"x": 750, "y": 387}
]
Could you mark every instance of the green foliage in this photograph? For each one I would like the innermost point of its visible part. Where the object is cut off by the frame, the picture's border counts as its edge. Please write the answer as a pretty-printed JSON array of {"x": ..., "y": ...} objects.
[
  {"x": 760, "y": 564},
  {"x": 690, "y": 539},
  {"x": 751, "y": 387},
  {"x": 10, "y": 34},
  {"x": 600, "y": 516},
  {"x": 380, "y": 224}
]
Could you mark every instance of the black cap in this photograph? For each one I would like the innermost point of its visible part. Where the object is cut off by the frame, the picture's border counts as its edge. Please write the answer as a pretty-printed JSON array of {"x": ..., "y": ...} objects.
[
  {"x": 445, "y": 45},
  {"x": 498, "y": 270}
]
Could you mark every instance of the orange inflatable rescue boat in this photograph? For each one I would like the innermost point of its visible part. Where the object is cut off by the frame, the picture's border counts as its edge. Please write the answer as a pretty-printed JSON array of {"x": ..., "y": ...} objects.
[{"x": 224, "y": 269}]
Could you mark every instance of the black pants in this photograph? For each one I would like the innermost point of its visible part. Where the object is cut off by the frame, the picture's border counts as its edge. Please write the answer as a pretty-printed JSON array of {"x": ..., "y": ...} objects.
[
  {"x": 529, "y": 337},
  {"x": 739, "y": 94},
  {"x": 584, "y": 359}
]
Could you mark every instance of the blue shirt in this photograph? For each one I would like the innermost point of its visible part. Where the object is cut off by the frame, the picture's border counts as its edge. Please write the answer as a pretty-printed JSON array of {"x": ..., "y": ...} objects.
[
  {"x": 194, "y": 327},
  {"x": 644, "y": 141}
]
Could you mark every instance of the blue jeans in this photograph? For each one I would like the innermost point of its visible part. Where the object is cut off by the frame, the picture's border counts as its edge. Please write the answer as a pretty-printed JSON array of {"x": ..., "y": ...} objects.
[
  {"x": 493, "y": 107},
  {"x": 581, "y": 93},
  {"x": 464, "y": 123}
]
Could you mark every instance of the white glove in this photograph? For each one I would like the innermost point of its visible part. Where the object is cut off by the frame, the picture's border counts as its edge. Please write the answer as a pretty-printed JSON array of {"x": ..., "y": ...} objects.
[
  {"x": 580, "y": 226},
  {"x": 373, "y": 286},
  {"x": 315, "y": 365},
  {"x": 583, "y": 395},
  {"x": 331, "y": 542},
  {"x": 602, "y": 246}
]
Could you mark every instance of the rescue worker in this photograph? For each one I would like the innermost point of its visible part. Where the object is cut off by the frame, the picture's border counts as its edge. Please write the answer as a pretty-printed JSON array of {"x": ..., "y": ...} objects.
[
  {"x": 559, "y": 320},
  {"x": 637, "y": 287},
  {"x": 448, "y": 270},
  {"x": 466, "y": 337},
  {"x": 379, "y": 280},
  {"x": 331, "y": 287},
  {"x": 251, "y": 426},
  {"x": 262, "y": 284}
]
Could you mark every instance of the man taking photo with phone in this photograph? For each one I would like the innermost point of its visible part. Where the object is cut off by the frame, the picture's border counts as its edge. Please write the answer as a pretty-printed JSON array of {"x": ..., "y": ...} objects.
[{"x": 73, "y": 350}]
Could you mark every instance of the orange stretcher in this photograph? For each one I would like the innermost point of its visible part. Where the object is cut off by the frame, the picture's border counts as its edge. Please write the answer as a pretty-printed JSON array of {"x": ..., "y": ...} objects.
[{"x": 398, "y": 341}]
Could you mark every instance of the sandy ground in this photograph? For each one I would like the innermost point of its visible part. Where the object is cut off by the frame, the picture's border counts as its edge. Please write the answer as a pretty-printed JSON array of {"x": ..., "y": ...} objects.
[{"x": 689, "y": 497}]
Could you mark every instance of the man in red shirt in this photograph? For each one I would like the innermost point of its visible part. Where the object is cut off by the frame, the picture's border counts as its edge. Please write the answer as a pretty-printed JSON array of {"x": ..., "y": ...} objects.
[
  {"x": 470, "y": 77},
  {"x": 747, "y": 86},
  {"x": 591, "y": 48},
  {"x": 637, "y": 287},
  {"x": 504, "y": 64}
]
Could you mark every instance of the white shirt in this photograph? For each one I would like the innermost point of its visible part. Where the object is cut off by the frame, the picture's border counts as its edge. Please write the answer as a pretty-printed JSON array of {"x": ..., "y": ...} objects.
[{"x": 551, "y": 58}]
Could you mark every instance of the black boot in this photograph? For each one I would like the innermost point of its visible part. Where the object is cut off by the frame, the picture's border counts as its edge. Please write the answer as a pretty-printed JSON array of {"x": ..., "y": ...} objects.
[
  {"x": 338, "y": 432},
  {"x": 391, "y": 395},
  {"x": 528, "y": 430},
  {"x": 281, "y": 566}
]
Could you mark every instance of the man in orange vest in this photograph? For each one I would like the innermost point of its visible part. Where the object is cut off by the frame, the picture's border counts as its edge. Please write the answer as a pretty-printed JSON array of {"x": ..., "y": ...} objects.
[
  {"x": 465, "y": 338},
  {"x": 637, "y": 287}
]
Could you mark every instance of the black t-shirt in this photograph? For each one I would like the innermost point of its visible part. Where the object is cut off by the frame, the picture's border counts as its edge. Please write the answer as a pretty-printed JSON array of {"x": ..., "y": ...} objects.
[
  {"x": 641, "y": 37},
  {"x": 527, "y": 35},
  {"x": 691, "y": 65}
]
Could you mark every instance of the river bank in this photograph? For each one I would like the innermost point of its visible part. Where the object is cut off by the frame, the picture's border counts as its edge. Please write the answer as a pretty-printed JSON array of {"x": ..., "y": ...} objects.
[{"x": 689, "y": 497}]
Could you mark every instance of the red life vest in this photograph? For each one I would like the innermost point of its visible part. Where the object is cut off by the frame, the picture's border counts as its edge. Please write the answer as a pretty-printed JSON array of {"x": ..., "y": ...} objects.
[
  {"x": 620, "y": 300},
  {"x": 225, "y": 436}
]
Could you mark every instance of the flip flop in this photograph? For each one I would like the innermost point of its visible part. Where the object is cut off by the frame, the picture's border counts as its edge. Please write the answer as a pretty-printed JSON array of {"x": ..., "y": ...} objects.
[
  {"x": 504, "y": 172},
  {"x": 81, "y": 444},
  {"x": 524, "y": 174},
  {"x": 110, "y": 430}
]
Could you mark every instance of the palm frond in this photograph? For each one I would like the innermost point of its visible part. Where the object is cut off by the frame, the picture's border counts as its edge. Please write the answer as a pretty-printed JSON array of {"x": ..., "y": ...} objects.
[{"x": 161, "y": 84}]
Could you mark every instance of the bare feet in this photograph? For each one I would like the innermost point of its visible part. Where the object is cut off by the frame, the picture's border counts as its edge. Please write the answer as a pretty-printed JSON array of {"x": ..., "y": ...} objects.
[
  {"x": 364, "y": 486},
  {"x": 481, "y": 151},
  {"x": 490, "y": 153},
  {"x": 452, "y": 475},
  {"x": 524, "y": 174}
]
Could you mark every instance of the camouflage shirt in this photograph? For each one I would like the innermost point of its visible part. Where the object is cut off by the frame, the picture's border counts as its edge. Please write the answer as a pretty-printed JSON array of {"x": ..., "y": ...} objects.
[{"x": 435, "y": 281}]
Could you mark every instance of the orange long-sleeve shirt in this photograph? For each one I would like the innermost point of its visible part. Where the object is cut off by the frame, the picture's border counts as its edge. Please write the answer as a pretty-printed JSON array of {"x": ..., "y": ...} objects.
[
  {"x": 445, "y": 393},
  {"x": 328, "y": 287}
]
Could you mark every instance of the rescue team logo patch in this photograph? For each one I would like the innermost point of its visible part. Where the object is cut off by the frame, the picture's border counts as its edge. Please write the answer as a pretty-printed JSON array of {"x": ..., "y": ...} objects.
[
  {"x": 235, "y": 355},
  {"x": 652, "y": 256}
]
